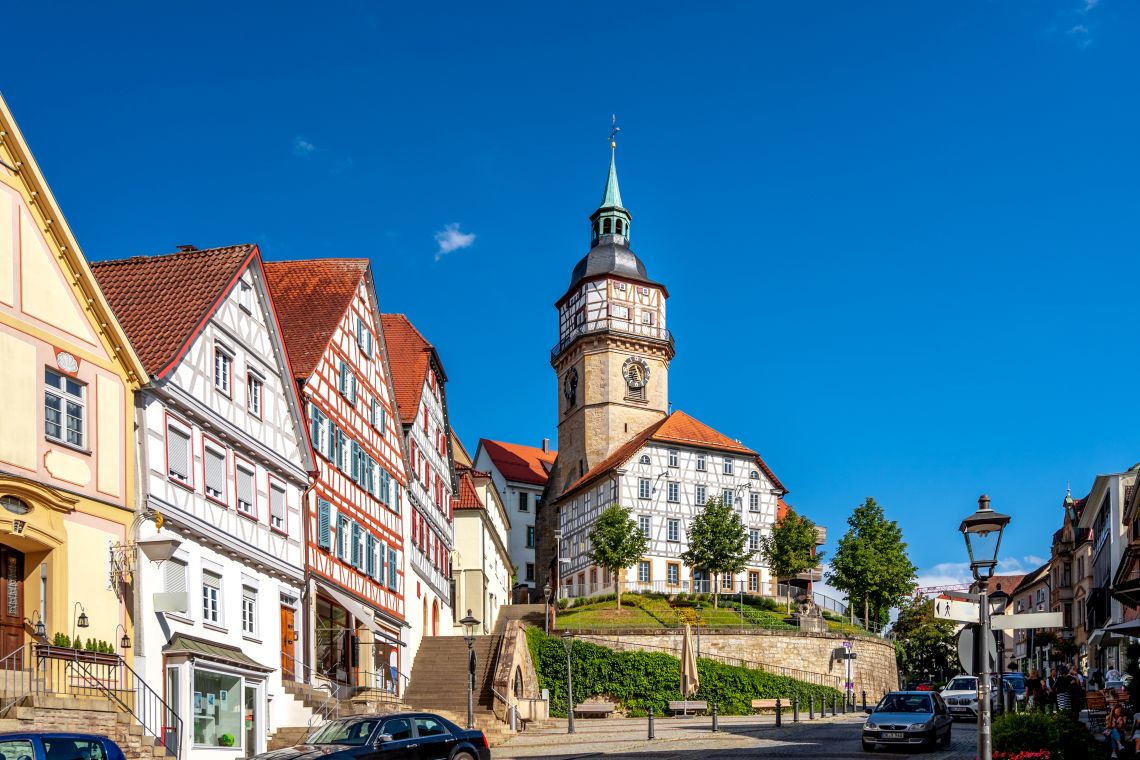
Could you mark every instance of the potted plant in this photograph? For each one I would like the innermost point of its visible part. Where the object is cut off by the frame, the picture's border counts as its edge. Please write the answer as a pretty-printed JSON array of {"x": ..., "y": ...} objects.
[{"x": 226, "y": 740}]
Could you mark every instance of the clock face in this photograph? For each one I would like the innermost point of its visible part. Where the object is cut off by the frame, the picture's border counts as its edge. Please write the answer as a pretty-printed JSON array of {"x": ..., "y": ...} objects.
[
  {"x": 636, "y": 372},
  {"x": 570, "y": 384}
]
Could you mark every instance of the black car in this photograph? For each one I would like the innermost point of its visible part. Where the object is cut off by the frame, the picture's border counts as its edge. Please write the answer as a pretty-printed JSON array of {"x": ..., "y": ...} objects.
[{"x": 393, "y": 736}]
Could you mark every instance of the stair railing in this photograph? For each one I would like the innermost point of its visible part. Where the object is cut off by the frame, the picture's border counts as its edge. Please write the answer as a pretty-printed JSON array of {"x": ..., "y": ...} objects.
[
  {"x": 16, "y": 677},
  {"x": 496, "y": 696},
  {"x": 327, "y": 710}
]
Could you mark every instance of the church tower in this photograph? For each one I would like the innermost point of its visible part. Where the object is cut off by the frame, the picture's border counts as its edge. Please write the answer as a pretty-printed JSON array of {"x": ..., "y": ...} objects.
[{"x": 613, "y": 351}]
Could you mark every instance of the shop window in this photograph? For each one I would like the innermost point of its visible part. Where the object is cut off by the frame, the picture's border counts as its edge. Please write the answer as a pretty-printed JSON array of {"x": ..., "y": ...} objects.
[{"x": 217, "y": 710}]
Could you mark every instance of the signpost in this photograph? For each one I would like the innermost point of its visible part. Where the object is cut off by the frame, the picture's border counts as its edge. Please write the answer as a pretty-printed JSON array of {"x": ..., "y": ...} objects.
[
  {"x": 968, "y": 654},
  {"x": 1026, "y": 620},
  {"x": 958, "y": 610}
]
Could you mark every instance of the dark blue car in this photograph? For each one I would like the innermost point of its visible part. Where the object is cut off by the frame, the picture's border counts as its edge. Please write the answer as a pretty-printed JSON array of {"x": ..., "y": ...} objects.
[
  {"x": 393, "y": 736},
  {"x": 34, "y": 745}
]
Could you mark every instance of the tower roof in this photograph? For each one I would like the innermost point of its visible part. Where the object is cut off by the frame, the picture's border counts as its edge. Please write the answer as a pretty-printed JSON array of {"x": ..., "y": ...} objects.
[{"x": 611, "y": 197}]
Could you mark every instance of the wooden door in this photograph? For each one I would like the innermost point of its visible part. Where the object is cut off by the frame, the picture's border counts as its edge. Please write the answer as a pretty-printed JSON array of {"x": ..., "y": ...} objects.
[
  {"x": 12, "y": 602},
  {"x": 288, "y": 640}
]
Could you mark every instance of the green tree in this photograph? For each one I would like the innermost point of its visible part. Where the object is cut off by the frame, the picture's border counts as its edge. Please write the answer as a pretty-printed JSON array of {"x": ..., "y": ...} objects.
[
  {"x": 718, "y": 542},
  {"x": 923, "y": 643},
  {"x": 616, "y": 542},
  {"x": 790, "y": 549},
  {"x": 871, "y": 563}
]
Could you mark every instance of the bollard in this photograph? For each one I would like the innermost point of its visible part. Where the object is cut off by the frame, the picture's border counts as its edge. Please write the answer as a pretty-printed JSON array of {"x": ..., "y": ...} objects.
[
  {"x": 811, "y": 707},
  {"x": 650, "y": 722},
  {"x": 716, "y": 723},
  {"x": 864, "y": 699},
  {"x": 795, "y": 709},
  {"x": 834, "y": 699},
  {"x": 845, "y": 704},
  {"x": 779, "y": 714}
]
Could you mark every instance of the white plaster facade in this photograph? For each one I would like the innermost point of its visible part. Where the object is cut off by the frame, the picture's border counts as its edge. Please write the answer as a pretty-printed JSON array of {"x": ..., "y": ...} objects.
[
  {"x": 482, "y": 563},
  {"x": 521, "y": 502}
]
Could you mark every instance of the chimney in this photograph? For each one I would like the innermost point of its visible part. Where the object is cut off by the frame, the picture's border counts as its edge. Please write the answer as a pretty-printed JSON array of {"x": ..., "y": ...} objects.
[
  {"x": 187, "y": 248},
  {"x": 545, "y": 445}
]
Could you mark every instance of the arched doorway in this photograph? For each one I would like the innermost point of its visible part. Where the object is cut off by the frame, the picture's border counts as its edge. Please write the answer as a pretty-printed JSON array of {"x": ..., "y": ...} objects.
[{"x": 435, "y": 618}]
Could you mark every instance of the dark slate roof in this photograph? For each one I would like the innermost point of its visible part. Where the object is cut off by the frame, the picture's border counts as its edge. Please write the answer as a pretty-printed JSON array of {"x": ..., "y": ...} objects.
[{"x": 610, "y": 257}]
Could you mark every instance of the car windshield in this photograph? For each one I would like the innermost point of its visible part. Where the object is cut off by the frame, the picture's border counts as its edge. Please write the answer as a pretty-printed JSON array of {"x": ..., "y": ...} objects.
[
  {"x": 353, "y": 731},
  {"x": 905, "y": 703},
  {"x": 1017, "y": 682},
  {"x": 962, "y": 684}
]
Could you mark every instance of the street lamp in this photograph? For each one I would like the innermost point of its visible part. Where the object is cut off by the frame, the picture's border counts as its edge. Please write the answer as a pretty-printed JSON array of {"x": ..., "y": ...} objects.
[
  {"x": 698, "y": 608},
  {"x": 125, "y": 642},
  {"x": 82, "y": 621},
  {"x": 998, "y": 601},
  {"x": 568, "y": 644},
  {"x": 469, "y": 624},
  {"x": 546, "y": 590},
  {"x": 982, "y": 531}
]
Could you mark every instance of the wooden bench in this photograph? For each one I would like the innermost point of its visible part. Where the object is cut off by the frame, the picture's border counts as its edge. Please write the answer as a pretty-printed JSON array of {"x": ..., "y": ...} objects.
[
  {"x": 596, "y": 709},
  {"x": 768, "y": 704},
  {"x": 690, "y": 706},
  {"x": 1096, "y": 700}
]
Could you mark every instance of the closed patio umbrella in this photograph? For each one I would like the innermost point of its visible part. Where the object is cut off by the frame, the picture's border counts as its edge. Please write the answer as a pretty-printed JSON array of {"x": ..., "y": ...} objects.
[{"x": 690, "y": 681}]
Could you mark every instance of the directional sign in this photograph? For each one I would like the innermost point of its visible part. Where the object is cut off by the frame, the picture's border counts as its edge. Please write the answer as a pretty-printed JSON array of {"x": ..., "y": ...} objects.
[
  {"x": 1026, "y": 620},
  {"x": 954, "y": 609}
]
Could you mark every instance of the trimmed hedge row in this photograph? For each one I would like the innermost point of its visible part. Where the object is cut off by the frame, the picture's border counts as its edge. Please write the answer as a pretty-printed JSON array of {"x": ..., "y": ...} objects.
[
  {"x": 1058, "y": 733},
  {"x": 640, "y": 680}
]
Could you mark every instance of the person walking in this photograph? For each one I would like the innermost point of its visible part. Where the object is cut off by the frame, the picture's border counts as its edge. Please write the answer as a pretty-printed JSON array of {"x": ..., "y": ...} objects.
[
  {"x": 1051, "y": 687},
  {"x": 1035, "y": 691},
  {"x": 1062, "y": 689}
]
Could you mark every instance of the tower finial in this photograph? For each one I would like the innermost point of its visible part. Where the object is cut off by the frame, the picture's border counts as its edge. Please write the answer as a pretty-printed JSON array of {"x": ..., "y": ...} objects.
[{"x": 614, "y": 129}]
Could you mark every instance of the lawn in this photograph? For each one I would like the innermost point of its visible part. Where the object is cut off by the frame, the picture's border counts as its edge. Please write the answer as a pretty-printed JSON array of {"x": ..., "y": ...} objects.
[{"x": 652, "y": 611}]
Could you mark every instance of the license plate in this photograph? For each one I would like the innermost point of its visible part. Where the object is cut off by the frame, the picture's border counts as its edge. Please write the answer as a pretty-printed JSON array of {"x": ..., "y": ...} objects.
[
  {"x": 959, "y": 709},
  {"x": 893, "y": 735}
]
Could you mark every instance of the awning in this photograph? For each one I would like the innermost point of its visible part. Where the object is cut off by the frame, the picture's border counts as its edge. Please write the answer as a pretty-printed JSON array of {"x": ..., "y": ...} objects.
[
  {"x": 208, "y": 650},
  {"x": 1127, "y": 628},
  {"x": 360, "y": 611},
  {"x": 1128, "y": 592}
]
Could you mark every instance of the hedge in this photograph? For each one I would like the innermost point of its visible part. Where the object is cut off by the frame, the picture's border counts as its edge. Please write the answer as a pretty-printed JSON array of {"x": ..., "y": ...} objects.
[
  {"x": 1058, "y": 733},
  {"x": 640, "y": 680}
]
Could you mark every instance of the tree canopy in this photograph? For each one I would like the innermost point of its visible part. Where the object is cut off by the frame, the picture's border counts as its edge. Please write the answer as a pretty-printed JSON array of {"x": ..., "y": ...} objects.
[
  {"x": 923, "y": 643},
  {"x": 789, "y": 549},
  {"x": 871, "y": 563},
  {"x": 616, "y": 542},
  {"x": 718, "y": 542}
]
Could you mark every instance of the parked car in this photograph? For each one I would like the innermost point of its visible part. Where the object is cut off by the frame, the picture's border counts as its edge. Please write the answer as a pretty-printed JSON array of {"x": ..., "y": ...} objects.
[
  {"x": 961, "y": 696},
  {"x": 914, "y": 718},
  {"x": 35, "y": 745},
  {"x": 391, "y": 736},
  {"x": 1015, "y": 684}
]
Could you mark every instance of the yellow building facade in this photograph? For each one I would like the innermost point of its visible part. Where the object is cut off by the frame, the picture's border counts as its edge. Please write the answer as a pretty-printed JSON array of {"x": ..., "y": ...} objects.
[{"x": 67, "y": 382}]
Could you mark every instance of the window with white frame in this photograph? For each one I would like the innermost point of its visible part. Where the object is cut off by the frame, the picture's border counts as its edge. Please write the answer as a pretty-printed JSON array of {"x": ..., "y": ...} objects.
[
  {"x": 647, "y": 318},
  {"x": 245, "y": 296},
  {"x": 215, "y": 473},
  {"x": 246, "y": 493},
  {"x": 249, "y": 611},
  {"x": 702, "y": 462},
  {"x": 211, "y": 597},
  {"x": 643, "y": 291},
  {"x": 530, "y": 536},
  {"x": 673, "y": 456},
  {"x": 644, "y": 523},
  {"x": 673, "y": 531},
  {"x": 318, "y": 430},
  {"x": 644, "y": 459},
  {"x": 324, "y": 524},
  {"x": 643, "y": 489},
  {"x": 728, "y": 465},
  {"x": 174, "y": 581},
  {"x": 276, "y": 507},
  {"x": 179, "y": 456},
  {"x": 726, "y": 580},
  {"x": 726, "y": 497},
  {"x": 619, "y": 311},
  {"x": 65, "y": 409},
  {"x": 673, "y": 491},
  {"x": 754, "y": 475},
  {"x": 223, "y": 369},
  {"x": 363, "y": 337},
  {"x": 702, "y": 495},
  {"x": 753, "y": 502},
  {"x": 346, "y": 383},
  {"x": 253, "y": 389},
  {"x": 754, "y": 540},
  {"x": 376, "y": 418},
  {"x": 753, "y": 581},
  {"x": 643, "y": 571},
  {"x": 342, "y": 538},
  {"x": 673, "y": 573}
]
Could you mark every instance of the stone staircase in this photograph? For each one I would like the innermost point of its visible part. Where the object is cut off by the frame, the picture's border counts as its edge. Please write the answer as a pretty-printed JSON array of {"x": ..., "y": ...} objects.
[
  {"x": 528, "y": 614},
  {"x": 71, "y": 714},
  {"x": 309, "y": 701}
]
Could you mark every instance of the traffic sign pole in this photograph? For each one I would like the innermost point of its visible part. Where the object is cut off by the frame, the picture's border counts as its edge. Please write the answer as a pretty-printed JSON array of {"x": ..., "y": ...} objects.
[{"x": 985, "y": 751}]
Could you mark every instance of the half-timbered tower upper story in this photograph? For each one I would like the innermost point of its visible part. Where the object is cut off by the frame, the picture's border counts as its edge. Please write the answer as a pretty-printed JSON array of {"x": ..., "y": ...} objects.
[
  {"x": 419, "y": 379},
  {"x": 331, "y": 322},
  {"x": 222, "y": 442}
]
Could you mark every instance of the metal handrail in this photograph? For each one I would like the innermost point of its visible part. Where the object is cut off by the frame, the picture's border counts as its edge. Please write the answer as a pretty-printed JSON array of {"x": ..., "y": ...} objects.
[
  {"x": 330, "y": 706},
  {"x": 15, "y": 677},
  {"x": 494, "y": 673}
]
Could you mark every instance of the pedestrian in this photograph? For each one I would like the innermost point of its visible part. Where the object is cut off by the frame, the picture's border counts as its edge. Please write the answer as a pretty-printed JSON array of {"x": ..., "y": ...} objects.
[
  {"x": 1062, "y": 689},
  {"x": 1051, "y": 686},
  {"x": 1116, "y": 723},
  {"x": 1035, "y": 691}
]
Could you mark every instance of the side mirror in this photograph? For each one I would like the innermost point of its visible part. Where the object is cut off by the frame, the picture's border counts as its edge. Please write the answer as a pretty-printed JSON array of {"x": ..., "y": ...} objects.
[
  {"x": 868, "y": 710},
  {"x": 383, "y": 738}
]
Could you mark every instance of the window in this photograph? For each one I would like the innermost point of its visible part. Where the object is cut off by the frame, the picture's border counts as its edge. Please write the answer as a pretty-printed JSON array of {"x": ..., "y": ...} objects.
[
  {"x": 340, "y": 448},
  {"x": 324, "y": 524},
  {"x": 276, "y": 507},
  {"x": 619, "y": 311},
  {"x": 245, "y": 490},
  {"x": 644, "y": 459},
  {"x": 753, "y": 581},
  {"x": 318, "y": 430},
  {"x": 218, "y": 717},
  {"x": 178, "y": 453},
  {"x": 378, "y": 418},
  {"x": 754, "y": 540},
  {"x": 754, "y": 475},
  {"x": 726, "y": 580},
  {"x": 393, "y": 578},
  {"x": 523, "y": 506},
  {"x": 64, "y": 409},
  {"x": 646, "y": 317},
  {"x": 643, "y": 488},
  {"x": 702, "y": 462},
  {"x": 346, "y": 383},
  {"x": 643, "y": 291},
  {"x": 211, "y": 598},
  {"x": 245, "y": 296},
  {"x": 363, "y": 338},
  {"x": 249, "y": 611},
  {"x": 370, "y": 555},
  {"x": 673, "y": 530},
  {"x": 342, "y": 538},
  {"x": 174, "y": 581},
  {"x": 726, "y": 497},
  {"x": 672, "y": 573},
  {"x": 215, "y": 474},
  {"x": 253, "y": 386},
  {"x": 223, "y": 369},
  {"x": 620, "y": 285},
  {"x": 702, "y": 495},
  {"x": 530, "y": 572},
  {"x": 643, "y": 572},
  {"x": 357, "y": 546},
  {"x": 430, "y": 727},
  {"x": 530, "y": 536},
  {"x": 728, "y": 465},
  {"x": 673, "y": 458},
  {"x": 674, "y": 491},
  {"x": 753, "y": 502},
  {"x": 607, "y": 226},
  {"x": 643, "y": 524}
]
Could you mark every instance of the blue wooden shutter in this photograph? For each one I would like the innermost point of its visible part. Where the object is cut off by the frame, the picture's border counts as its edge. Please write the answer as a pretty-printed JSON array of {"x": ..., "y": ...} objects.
[
  {"x": 370, "y": 556},
  {"x": 393, "y": 580},
  {"x": 356, "y": 538},
  {"x": 324, "y": 532}
]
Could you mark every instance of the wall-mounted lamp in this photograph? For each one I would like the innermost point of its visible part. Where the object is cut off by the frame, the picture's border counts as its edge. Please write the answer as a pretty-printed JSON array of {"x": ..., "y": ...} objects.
[
  {"x": 158, "y": 548},
  {"x": 38, "y": 627},
  {"x": 125, "y": 642},
  {"x": 82, "y": 621}
]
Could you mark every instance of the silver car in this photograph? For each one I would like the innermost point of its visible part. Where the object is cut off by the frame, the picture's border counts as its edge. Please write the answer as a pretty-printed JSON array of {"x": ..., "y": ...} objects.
[{"x": 913, "y": 718}]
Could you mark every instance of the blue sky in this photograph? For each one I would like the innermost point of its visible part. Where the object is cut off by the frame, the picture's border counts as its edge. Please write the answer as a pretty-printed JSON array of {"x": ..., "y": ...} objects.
[{"x": 899, "y": 239}]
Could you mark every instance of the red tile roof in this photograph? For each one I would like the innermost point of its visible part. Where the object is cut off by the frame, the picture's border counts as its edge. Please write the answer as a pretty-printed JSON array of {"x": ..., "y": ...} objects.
[
  {"x": 1007, "y": 582},
  {"x": 468, "y": 496},
  {"x": 311, "y": 299},
  {"x": 163, "y": 301},
  {"x": 678, "y": 428},
  {"x": 409, "y": 354},
  {"x": 522, "y": 464}
]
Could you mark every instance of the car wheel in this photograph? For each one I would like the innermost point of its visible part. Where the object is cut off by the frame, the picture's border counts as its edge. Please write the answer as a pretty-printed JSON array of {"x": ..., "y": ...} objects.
[
  {"x": 868, "y": 746},
  {"x": 462, "y": 756}
]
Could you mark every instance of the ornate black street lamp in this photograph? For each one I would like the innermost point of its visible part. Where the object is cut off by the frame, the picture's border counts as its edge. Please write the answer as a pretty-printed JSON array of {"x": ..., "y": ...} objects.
[
  {"x": 568, "y": 644},
  {"x": 546, "y": 591},
  {"x": 470, "y": 623}
]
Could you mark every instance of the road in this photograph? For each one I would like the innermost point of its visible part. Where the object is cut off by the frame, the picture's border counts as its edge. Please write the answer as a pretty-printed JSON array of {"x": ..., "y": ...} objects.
[{"x": 739, "y": 738}]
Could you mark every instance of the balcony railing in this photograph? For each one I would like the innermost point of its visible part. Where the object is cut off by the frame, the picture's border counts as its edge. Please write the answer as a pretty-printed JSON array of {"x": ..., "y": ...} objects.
[{"x": 613, "y": 325}]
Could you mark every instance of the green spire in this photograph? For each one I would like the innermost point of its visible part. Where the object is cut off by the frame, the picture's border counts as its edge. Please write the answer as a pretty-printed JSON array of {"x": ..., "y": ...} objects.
[
  {"x": 611, "y": 218},
  {"x": 611, "y": 198}
]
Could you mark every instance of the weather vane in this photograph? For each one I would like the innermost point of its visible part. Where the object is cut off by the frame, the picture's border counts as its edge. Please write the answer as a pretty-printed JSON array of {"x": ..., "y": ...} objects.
[{"x": 614, "y": 129}]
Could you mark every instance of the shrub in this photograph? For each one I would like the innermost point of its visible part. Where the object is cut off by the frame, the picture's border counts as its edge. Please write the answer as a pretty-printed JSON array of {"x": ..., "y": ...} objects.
[{"x": 1059, "y": 734}]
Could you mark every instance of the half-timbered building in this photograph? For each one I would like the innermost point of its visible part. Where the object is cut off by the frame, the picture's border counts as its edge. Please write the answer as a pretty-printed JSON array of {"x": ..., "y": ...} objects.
[
  {"x": 419, "y": 380},
  {"x": 354, "y": 514},
  {"x": 224, "y": 458}
]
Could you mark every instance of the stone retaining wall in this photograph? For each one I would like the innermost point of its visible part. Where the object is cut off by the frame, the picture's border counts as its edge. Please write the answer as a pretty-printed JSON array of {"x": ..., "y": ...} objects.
[{"x": 84, "y": 716}]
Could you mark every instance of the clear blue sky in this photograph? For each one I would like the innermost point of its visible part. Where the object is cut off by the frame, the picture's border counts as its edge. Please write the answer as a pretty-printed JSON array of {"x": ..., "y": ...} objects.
[{"x": 900, "y": 239}]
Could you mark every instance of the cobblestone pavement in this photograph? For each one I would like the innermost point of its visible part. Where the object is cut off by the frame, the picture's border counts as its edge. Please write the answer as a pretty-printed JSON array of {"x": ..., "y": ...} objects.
[{"x": 692, "y": 739}]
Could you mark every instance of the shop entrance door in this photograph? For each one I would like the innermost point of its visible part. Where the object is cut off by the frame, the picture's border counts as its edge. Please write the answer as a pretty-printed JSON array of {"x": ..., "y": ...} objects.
[
  {"x": 288, "y": 639},
  {"x": 12, "y": 603}
]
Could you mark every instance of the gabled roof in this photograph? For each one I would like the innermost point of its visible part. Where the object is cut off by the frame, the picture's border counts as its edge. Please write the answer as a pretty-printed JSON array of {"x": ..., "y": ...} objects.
[
  {"x": 410, "y": 355},
  {"x": 163, "y": 301},
  {"x": 1029, "y": 580},
  {"x": 1008, "y": 583},
  {"x": 468, "y": 496},
  {"x": 681, "y": 429},
  {"x": 522, "y": 464},
  {"x": 311, "y": 299}
]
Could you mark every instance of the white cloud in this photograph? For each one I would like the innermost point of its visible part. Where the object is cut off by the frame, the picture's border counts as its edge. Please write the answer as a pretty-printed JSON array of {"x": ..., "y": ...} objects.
[
  {"x": 1090, "y": 4},
  {"x": 451, "y": 239},
  {"x": 954, "y": 573},
  {"x": 302, "y": 147}
]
